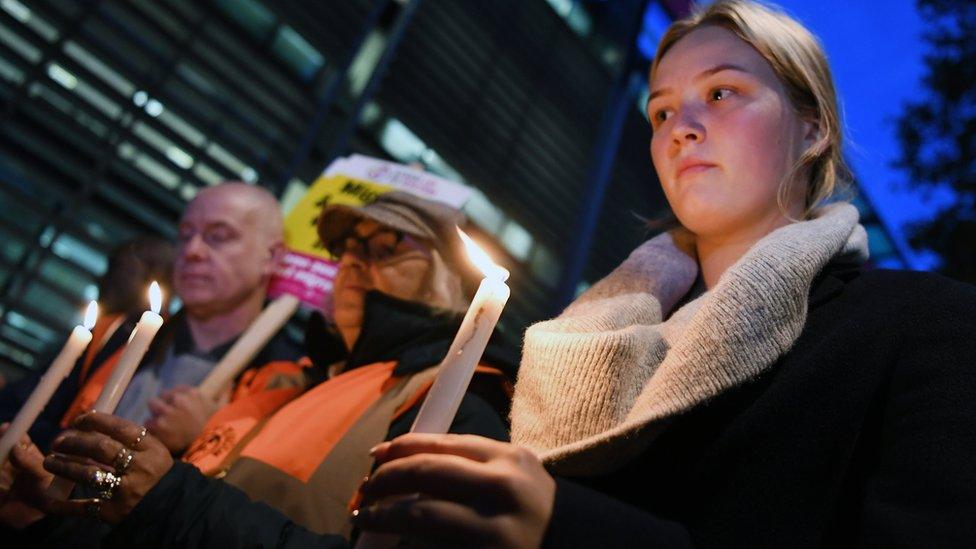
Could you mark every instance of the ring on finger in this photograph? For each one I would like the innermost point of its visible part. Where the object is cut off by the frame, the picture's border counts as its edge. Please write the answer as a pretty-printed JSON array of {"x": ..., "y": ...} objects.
[
  {"x": 122, "y": 461},
  {"x": 105, "y": 483},
  {"x": 142, "y": 434}
]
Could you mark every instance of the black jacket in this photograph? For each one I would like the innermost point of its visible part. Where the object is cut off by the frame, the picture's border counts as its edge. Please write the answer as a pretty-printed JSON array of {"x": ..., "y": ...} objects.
[{"x": 863, "y": 434}]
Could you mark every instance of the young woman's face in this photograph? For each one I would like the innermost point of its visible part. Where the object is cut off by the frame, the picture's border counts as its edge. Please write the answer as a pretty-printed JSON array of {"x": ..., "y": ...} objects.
[{"x": 725, "y": 135}]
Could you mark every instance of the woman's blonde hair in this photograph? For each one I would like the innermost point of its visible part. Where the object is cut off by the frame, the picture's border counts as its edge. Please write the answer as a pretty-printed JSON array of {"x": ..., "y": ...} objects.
[{"x": 799, "y": 62}]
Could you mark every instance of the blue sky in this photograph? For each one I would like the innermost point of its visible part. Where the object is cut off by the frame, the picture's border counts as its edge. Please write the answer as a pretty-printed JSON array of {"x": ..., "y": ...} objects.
[{"x": 876, "y": 52}]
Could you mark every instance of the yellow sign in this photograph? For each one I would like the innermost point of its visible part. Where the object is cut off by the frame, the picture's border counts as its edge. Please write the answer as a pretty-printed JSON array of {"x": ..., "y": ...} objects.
[{"x": 301, "y": 234}]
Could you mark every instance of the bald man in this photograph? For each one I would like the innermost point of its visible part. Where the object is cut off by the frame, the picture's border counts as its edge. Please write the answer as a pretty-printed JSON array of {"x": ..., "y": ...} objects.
[{"x": 229, "y": 245}]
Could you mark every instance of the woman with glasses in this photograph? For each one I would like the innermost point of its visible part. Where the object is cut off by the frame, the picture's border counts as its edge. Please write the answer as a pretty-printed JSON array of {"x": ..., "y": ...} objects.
[{"x": 396, "y": 304}]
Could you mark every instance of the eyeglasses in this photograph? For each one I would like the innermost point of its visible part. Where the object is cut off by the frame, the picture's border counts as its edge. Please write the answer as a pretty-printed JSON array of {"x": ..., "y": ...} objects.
[{"x": 382, "y": 245}]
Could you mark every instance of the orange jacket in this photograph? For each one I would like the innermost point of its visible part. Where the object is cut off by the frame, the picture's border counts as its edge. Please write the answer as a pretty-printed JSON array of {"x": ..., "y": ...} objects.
[{"x": 306, "y": 457}]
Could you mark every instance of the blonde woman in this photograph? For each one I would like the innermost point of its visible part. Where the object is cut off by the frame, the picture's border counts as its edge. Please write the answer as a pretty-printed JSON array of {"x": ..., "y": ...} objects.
[
  {"x": 737, "y": 382},
  {"x": 740, "y": 381}
]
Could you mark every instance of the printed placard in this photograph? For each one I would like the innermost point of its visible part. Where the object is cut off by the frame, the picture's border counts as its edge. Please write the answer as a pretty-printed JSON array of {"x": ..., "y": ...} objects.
[{"x": 308, "y": 269}]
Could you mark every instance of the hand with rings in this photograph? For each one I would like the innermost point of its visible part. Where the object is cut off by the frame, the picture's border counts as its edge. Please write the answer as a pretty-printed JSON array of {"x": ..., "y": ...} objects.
[{"x": 116, "y": 457}]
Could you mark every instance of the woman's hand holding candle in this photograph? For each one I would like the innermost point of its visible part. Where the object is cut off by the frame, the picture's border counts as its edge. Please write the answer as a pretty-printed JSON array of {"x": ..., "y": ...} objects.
[
  {"x": 94, "y": 443},
  {"x": 125, "y": 368},
  {"x": 472, "y": 488}
]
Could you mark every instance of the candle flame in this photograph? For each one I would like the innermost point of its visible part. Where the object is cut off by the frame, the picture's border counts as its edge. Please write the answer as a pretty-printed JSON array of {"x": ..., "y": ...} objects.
[
  {"x": 91, "y": 315},
  {"x": 155, "y": 297},
  {"x": 481, "y": 259}
]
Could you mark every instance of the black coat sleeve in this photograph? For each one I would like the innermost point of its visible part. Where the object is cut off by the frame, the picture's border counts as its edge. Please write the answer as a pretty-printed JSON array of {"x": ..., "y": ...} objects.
[
  {"x": 920, "y": 487},
  {"x": 583, "y": 517},
  {"x": 187, "y": 509}
]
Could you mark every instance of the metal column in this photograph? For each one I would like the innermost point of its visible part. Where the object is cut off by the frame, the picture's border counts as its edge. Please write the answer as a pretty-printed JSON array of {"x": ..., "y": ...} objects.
[{"x": 621, "y": 97}]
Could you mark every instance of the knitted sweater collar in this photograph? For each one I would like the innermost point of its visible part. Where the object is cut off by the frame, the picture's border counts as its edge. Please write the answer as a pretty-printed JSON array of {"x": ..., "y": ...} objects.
[{"x": 599, "y": 382}]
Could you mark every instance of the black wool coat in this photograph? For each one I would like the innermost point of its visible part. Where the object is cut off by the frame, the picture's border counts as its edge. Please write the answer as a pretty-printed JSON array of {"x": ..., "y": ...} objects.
[{"x": 863, "y": 434}]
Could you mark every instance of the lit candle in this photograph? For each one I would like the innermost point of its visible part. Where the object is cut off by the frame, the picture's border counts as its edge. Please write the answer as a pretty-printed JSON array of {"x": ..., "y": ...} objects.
[
  {"x": 135, "y": 349},
  {"x": 250, "y": 342},
  {"x": 50, "y": 381},
  {"x": 456, "y": 370},
  {"x": 139, "y": 340}
]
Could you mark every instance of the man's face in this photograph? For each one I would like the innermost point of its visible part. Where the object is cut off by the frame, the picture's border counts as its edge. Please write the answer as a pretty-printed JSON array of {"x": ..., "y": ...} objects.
[{"x": 224, "y": 254}]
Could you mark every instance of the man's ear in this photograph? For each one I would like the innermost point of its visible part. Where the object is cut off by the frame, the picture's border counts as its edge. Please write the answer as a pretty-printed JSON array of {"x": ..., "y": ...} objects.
[{"x": 276, "y": 252}]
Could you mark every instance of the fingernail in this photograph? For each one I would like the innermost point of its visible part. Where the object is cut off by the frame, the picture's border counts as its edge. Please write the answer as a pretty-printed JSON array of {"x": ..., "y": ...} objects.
[{"x": 373, "y": 450}]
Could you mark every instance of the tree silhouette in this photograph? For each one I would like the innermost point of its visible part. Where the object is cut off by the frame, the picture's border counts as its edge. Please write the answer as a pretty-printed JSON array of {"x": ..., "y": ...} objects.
[{"x": 938, "y": 135}]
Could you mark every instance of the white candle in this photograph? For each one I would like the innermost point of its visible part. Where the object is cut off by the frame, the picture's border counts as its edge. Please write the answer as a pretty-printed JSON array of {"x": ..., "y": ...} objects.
[
  {"x": 250, "y": 342},
  {"x": 456, "y": 370},
  {"x": 139, "y": 340},
  {"x": 58, "y": 370},
  {"x": 442, "y": 401},
  {"x": 143, "y": 334}
]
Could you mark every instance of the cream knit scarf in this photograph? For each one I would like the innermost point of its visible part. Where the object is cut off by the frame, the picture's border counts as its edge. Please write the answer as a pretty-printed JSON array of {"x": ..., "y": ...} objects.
[{"x": 598, "y": 382}]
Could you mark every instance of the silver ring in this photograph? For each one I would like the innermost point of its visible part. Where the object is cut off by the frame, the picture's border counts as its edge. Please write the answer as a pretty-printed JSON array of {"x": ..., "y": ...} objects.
[
  {"x": 142, "y": 434},
  {"x": 122, "y": 461},
  {"x": 105, "y": 483}
]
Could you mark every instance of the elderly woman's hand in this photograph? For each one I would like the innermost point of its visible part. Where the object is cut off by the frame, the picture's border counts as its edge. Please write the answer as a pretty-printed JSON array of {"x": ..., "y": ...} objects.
[
  {"x": 23, "y": 484},
  {"x": 98, "y": 449},
  {"x": 472, "y": 491}
]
